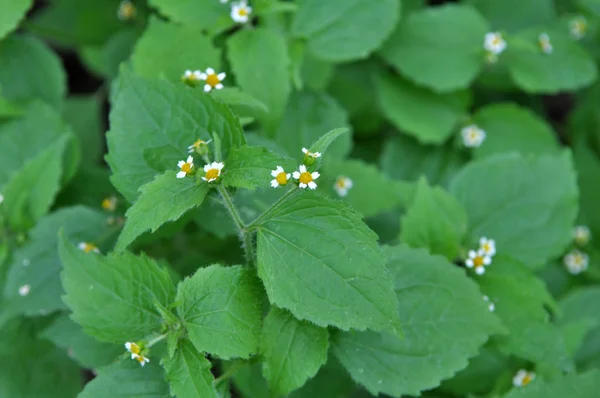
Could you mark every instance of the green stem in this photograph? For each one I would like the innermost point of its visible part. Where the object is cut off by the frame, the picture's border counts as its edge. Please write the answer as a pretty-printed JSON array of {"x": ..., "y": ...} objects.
[
  {"x": 156, "y": 340},
  {"x": 254, "y": 224},
  {"x": 230, "y": 372},
  {"x": 232, "y": 210}
]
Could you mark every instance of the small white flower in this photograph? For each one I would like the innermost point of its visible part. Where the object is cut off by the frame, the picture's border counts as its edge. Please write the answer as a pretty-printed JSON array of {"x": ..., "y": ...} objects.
[
  {"x": 88, "y": 247},
  {"x": 576, "y": 262},
  {"x": 192, "y": 77},
  {"x": 109, "y": 204},
  {"x": 186, "y": 167},
  {"x": 140, "y": 358},
  {"x": 281, "y": 177},
  {"x": 472, "y": 136},
  {"x": 126, "y": 11},
  {"x": 544, "y": 43},
  {"x": 478, "y": 260},
  {"x": 522, "y": 378},
  {"x": 578, "y": 27},
  {"x": 133, "y": 348},
  {"x": 306, "y": 178},
  {"x": 1, "y": 198},
  {"x": 581, "y": 235},
  {"x": 342, "y": 185},
  {"x": 313, "y": 155},
  {"x": 24, "y": 290},
  {"x": 213, "y": 80},
  {"x": 494, "y": 43},
  {"x": 197, "y": 145},
  {"x": 491, "y": 305},
  {"x": 240, "y": 12},
  {"x": 212, "y": 171},
  {"x": 488, "y": 246}
]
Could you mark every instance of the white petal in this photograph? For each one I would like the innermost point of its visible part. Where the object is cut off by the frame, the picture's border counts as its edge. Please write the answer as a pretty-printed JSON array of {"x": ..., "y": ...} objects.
[
  {"x": 210, "y": 71},
  {"x": 304, "y": 150},
  {"x": 180, "y": 163},
  {"x": 207, "y": 88},
  {"x": 479, "y": 270},
  {"x": 219, "y": 86},
  {"x": 190, "y": 160},
  {"x": 482, "y": 240},
  {"x": 302, "y": 185},
  {"x": 315, "y": 175},
  {"x": 249, "y": 9},
  {"x": 348, "y": 183},
  {"x": 302, "y": 168},
  {"x": 212, "y": 179},
  {"x": 181, "y": 174},
  {"x": 469, "y": 263},
  {"x": 275, "y": 173},
  {"x": 218, "y": 165},
  {"x": 274, "y": 183},
  {"x": 472, "y": 254},
  {"x": 221, "y": 76},
  {"x": 203, "y": 76},
  {"x": 296, "y": 175},
  {"x": 317, "y": 154},
  {"x": 204, "y": 178},
  {"x": 312, "y": 185},
  {"x": 287, "y": 176}
]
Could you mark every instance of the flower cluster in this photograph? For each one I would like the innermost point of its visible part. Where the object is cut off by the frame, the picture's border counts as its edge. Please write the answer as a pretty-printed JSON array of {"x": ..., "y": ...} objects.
[
  {"x": 212, "y": 79},
  {"x": 472, "y": 136},
  {"x": 522, "y": 378},
  {"x": 212, "y": 171},
  {"x": 482, "y": 257},
  {"x": 305, "y": 178},
  {"x": 136, "y": 353},
  {"x": 577, "y": 261}
]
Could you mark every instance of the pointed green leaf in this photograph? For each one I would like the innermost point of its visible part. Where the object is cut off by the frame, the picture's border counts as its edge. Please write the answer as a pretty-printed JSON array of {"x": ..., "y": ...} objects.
[
  {"x": 510, "y": 198},
  {"x": 12, "y": 13},
  {"x": 445, "y": 322},
  {"x": 162, "y": 200},
  {"x": 221, "y": 310},
  {"x": 327, "y": 139},
  {"x": 152, "y": 116},
  {"x": 188, "y": 373},
  {"x": 435, "y": 221},
  {"x": 113, "y": 296},
  {"x": 293, "y": 351},
  {"x": 318, "y": 259}
]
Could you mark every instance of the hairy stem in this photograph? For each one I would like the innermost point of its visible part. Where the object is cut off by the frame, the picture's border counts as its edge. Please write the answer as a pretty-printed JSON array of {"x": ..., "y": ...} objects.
[
  {"x": 243, "y": 232},
  {"x": 271, "y": 209}
]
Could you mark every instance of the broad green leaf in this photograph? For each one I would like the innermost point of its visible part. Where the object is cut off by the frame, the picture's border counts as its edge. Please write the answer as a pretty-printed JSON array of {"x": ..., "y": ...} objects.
[
  {"x": 293, "y": 351},
  {"x": 152, "y": 123},
  {"x": 168, "y": 50},
  {"x": 221, "y": 310},
  {"x": 13, "y": 11},
  {"x": 250, "y": 167},
  {"x": 366, "y": 180},
  {"x": 404, "y": 159},
  {"x": 37, "y": 262},
  {"x": 435, "y": 221},
  {"x": 113, "y": 296},
  {"x": 209, "y": 15},
  {"x": 162, "y": 200},
  {"x": 30, "y": 192},
  {"x": 188, "y": 373},
  {"x": 260, "y": 63},
  {"x": 308, "y": 117},
  {"x": 83, "y": 114},
  {"x": 39, "y": 70},
  {"x": 318, "y": 259},
  {"x": 127, "y": 379},
  {"x": 440, "y": 48},
  {"x": 85, "y": 350},
  {"x": 243, "y": 104},
  {"x": 31, "y": 367},
  {"x": 332, "y": 380},
  {"x": 410, "y": 109},
  {"x": 510, "y": 198},
  {"x": 330, "y": 27},
  {"x": 444, "y": 319},
  {"x": 575, "y": 308},
  {"x": 569, "y": 67},
  {"x": 571, "y": 385},
  {"x": 515, "y": 15},
  {"x": 520, "y": 300},
  {"x": 509, "y": 127}
]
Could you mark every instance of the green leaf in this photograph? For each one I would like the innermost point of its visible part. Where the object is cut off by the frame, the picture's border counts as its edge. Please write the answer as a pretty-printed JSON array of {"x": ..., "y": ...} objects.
[
  {"x": 409, "y": 108},
  {"x": 157, "y": 117},
  {"x": 241, "y": 103},
  {"x": 445, "y": 323},
  {"x": 575, "y": 308},
  {"x": 510, "y": 198},
  {"x": 307, "y": 117},
  {"x": 30, "y": 192},
  {"x": 113, "y": 296},
  {"x": 250, "y": 381},
  {"x": 330, "y": 27},
  {"x": 293, "y": 351},
  {"x": 168, "y": 50},
  {"x": 327, "y": 139},
  {"x": 83, "y": 113},
  {"x": 13, "y": 11},
  {"x": 208, "y": 15},
  {"x": 260, "y": 63},
  {"x": 568, "y": 68},
  {"x": 250, "y": 167},
  {"x": 40, "y": 71},
  {"x": 515, "y": 15},
  {"x": 164, "y": 199},
  {"x": 572, "y": 385},
  {"x": 366, "y": 179},
  {"x": 188, "y": 373},
  {"x": 37, "y": 262},
  {"x": 105, "y": 59},
  {"x": 435, "y": 221},
  {"x": 221, "y": 310},
  {"x": 509, "y": 127},
  {"x": 331, "y": 381},
  {"x": 85, "y": 350},
  {"x": 318, "y": 259},
  {"x": 128, "y": 380},
  {"x": 439, "y": 47}
]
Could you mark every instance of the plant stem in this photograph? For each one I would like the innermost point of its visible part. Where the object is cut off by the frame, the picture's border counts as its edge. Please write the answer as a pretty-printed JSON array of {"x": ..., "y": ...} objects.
[
  {"x": 230, "y": 372},
  {"x": 271, "y": 209},
  {"x": 243, "y": 232},
  {"x": 156, "y": 340}
]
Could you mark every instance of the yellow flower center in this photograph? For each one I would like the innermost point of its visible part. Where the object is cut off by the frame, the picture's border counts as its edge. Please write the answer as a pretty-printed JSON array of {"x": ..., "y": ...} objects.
[
  {"x": 478, "y": 261},
  {"x": 487, "y": 247},
  {"x": 212, "y": 80},
  {"x": 473, "y": 135},
  {"x": 282, "y": 178},
  {"x": 243, "y": 12},
  {"x": 134, "y": 348},
  {"x": 526, "y": 379},
  {"x": 127, "y": 10},
  {"x": 341, "y": 183},
  {"x": 198, "y": 143},
  {"x": 305, "y": 177},
  {"x": 578, "y": 259},
  {"x": 186, "y": 167},
  {"x": 88, "y": 247},
  {"x": 140, "y": 358},
  {"x": 496, "y": 40},
  {"x": 213, "y": 173}
]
